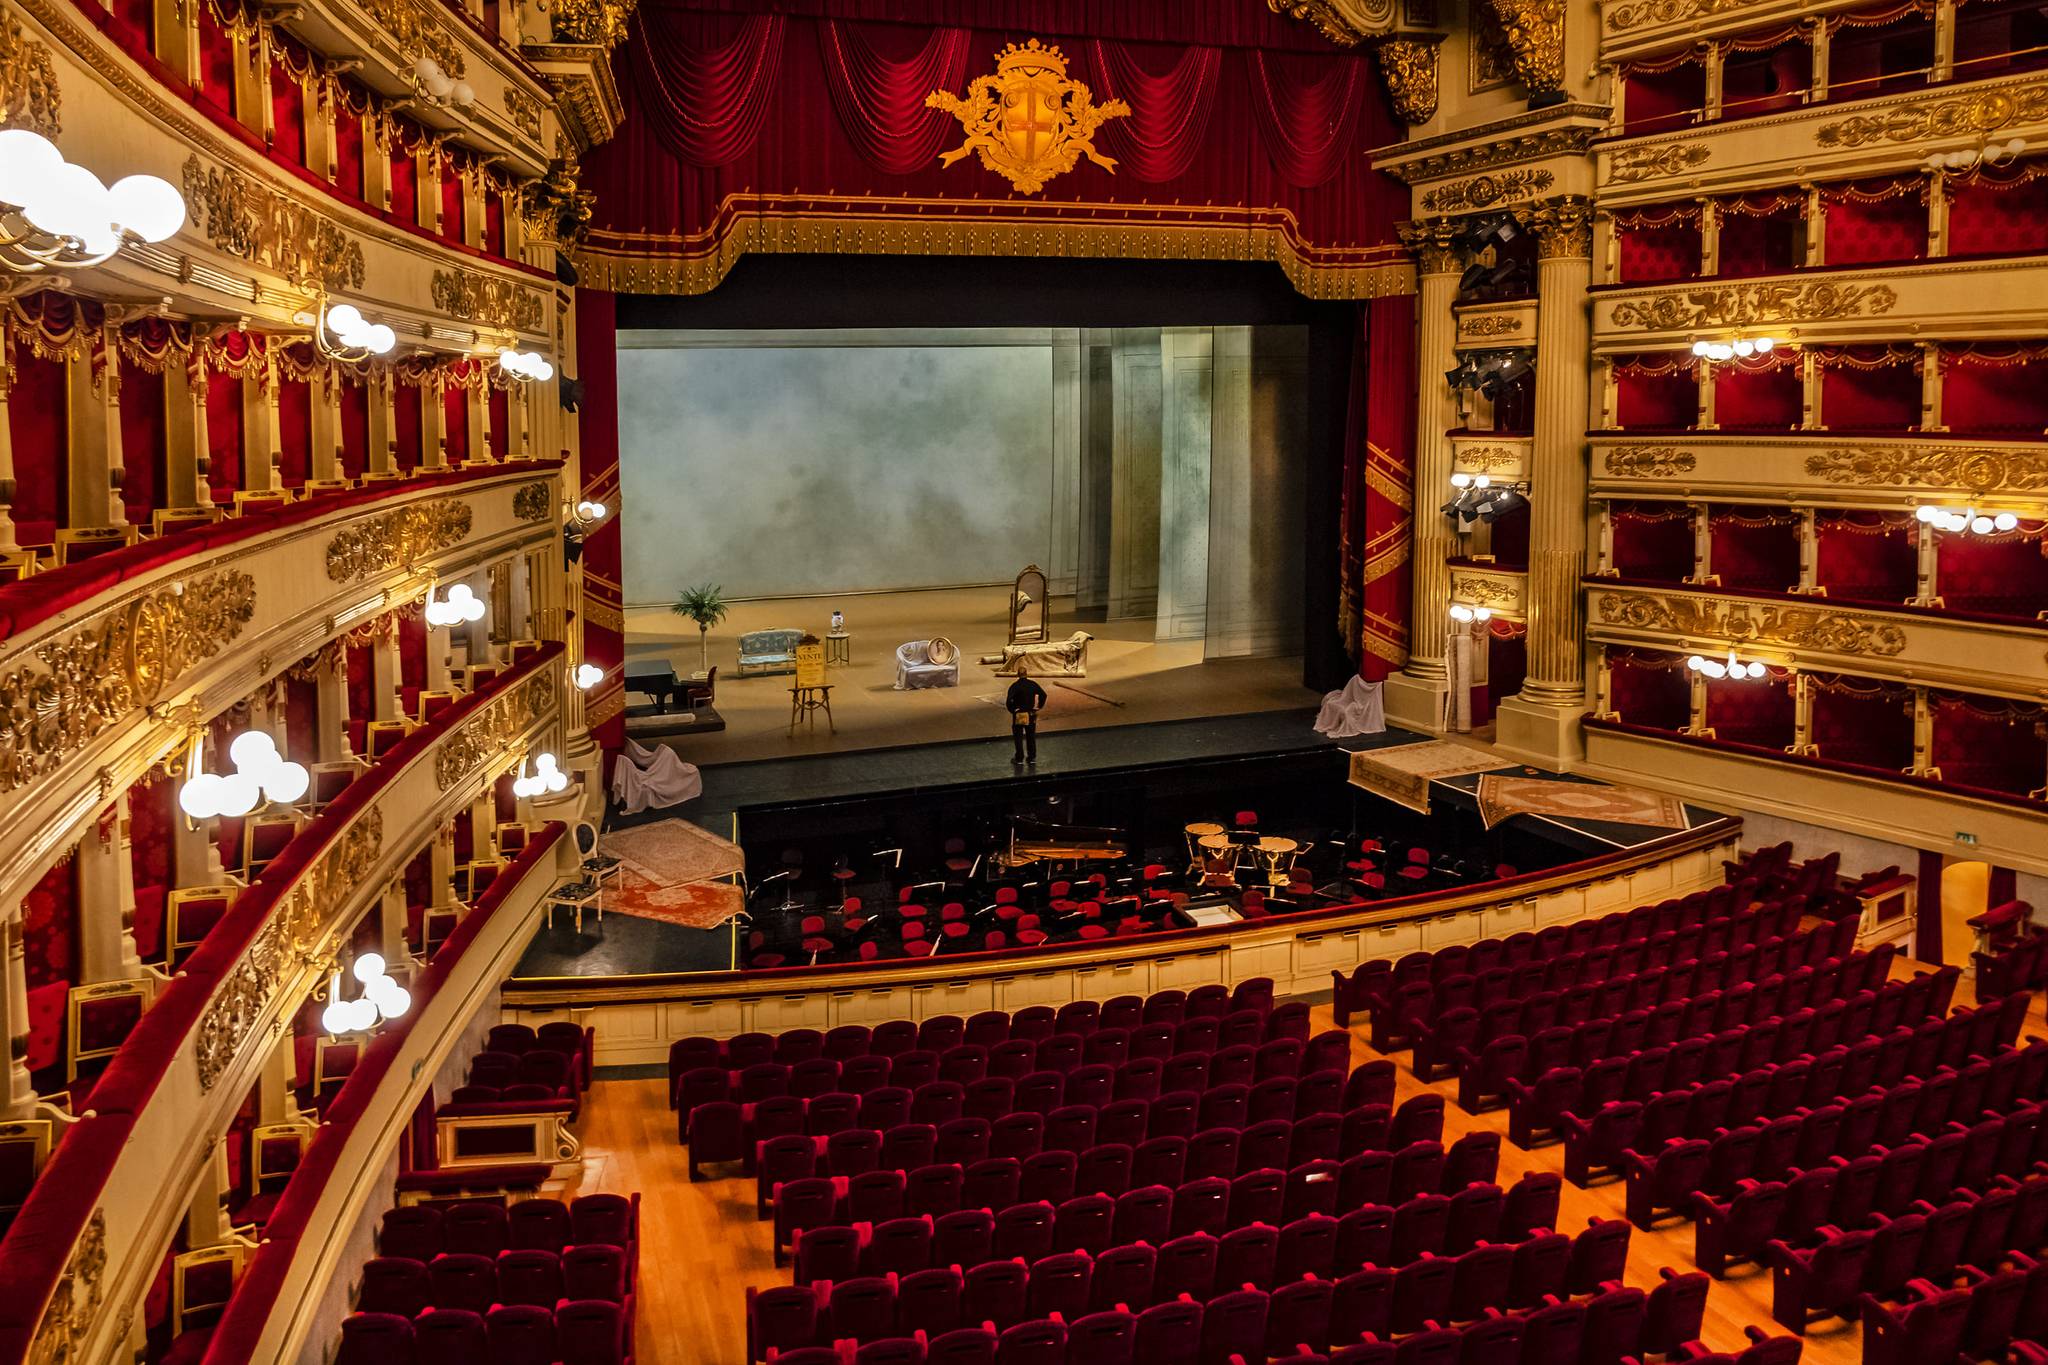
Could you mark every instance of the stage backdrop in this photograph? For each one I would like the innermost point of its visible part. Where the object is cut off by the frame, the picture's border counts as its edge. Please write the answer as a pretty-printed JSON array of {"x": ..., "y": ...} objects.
[{"x": 794, "y": 464}]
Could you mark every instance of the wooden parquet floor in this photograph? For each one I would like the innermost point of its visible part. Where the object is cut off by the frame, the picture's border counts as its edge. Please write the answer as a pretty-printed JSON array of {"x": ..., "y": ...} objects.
[{"x": 701, "y": 1246}]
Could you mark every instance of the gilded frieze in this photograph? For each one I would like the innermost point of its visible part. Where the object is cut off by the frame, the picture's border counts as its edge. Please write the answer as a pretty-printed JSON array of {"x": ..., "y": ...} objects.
[
  {"x": 1534, "y": 33},
  {"x": 1635, "y": 14},
  {"x": 1751, "y": 304},
  {"x": 1343, "y": 22},
  {"x": 247, "y": 219},
  {"x": 1495, "y": 594},
  {"x": 413, "y": 24},
  {"x": 1988, "y": 471},
  {"x": 74, "y": 1307},
  {"x": 471, "y": 297},
  {"x": 524, "y": 111},
  {"x": 29, "y": 97},
  {"x": 601, "y": 23},
  {"x": 1470, "y": 459},
  {"x": 96, "y": 673},
  {"x": 1407, "y": 64},
  {"x": 1649, "y": 462},
  {"x": 534, "y": 502},
  {"x": 1974, "y": 115},
  {"x": 493, "y": 729},
  {"x": 1645, "y": 163},
  {"x": 1829, "y": 632},
  {"x": 396, "y": 539},
  {"x": 1484, "y": 191},
  {"x": 1490, "y": 325}
]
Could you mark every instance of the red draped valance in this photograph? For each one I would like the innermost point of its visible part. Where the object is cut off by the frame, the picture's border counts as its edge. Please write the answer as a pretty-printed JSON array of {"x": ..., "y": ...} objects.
[{"x": 803, "y": 128}]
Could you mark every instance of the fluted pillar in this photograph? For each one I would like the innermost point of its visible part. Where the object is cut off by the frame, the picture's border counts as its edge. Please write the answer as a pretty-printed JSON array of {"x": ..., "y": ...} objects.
[
  {"x": 1543, "y": 721},
  {"x": 1415, "y": 695}
]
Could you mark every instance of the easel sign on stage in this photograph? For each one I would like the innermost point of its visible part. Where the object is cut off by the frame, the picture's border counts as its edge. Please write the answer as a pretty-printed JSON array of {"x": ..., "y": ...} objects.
[{"x": 810, "y": 693}]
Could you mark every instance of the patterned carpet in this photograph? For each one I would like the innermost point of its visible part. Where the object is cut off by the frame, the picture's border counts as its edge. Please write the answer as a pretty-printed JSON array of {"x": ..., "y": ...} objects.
[
  {"x": 696, "y": 905},
  {"x": 674, "y": 852}
]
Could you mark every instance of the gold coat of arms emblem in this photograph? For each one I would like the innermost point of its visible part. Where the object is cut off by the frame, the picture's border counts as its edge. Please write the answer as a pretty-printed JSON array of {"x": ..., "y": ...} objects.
[{"x": 1028, "y": 122}]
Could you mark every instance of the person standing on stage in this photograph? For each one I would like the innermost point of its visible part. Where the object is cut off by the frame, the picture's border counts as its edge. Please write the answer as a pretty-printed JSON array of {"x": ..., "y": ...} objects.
[{"x": 1026, "y": 698}]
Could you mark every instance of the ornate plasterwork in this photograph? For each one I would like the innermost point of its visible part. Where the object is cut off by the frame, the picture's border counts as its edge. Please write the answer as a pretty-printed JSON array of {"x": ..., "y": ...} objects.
[
  {"x": 468, "y": 296},
  {"x": 1534, "y": 32},
  {"x": 1644, "y": 163},
  {"x": 1434, "y": 245},
  {"x": 247, "y": 219},
  {"x": 492, "y": 730},
  {"x": 1506, "y": 142},
  {"x": 29, "y": 97},
  {"x": 1000, "y": 113},
  {"x": 1490, "y": 325},
  {"x": 1634, "y": 14},
  {"x": 95, "y": 673},
  {"x": 1750, "y": 304},
  {"x": 1478, "y": 590},
  {"x": 397, "y": 539},
  {"x": 1564, "y": 227},
  {"x": 74, "y": 1307},
  {"x": 1469, "y": 459},
  {"x": 1985, "y": 471},
  {"x": 1344, "y": 22},
  {"x": 533, "y": 502},
  {"x": 601, "y": 23},
  {"x": 1649, "y": 462},
  {"x": 289, "y": 941},
  {"x": 418, "y": 31},
  {"x": 555, "y": 206},
  {"x": 1969, "y": 115},
  {"x": 1408, "y": 66},
  {"x": 1828, "y": 632},
  {"x": 523, "y": 110},
  {"x": 1484, "y": 191}
]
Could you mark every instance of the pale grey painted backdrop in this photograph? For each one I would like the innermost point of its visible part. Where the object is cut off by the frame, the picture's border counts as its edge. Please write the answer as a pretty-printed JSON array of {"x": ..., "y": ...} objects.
[{"x": 785, "y": 464}]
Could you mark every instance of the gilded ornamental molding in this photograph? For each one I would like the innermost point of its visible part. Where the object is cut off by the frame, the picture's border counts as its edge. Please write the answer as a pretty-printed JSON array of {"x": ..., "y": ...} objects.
[
  {"x": 1974, "y": 115},
  {"x": 1531, "y": 136},
  {"x": 396, "y": 539},
  {"x": 1647, "y": 163},
  {"x": 1830, "y": 632},
  {"x": 1343, "y": 22},
  {"x": 1534, "y": 30},
  {"x": 534, "y": 502},
  {"x": 1492, "y": 325},
  {"x": 1484, "y": 191},
  {"x": 1564, "y": 227},
  {"x": 1484, "y": 459},
  {"x": 93, "y": 674},
  {"x": 414, "y": 25},
  {"x": 1408, "y": 66},
  {"x": 494, "y": 728},
  {"x": 1751, "y": 304},
  {"x": 1434, "y": 246},
  {"x": 247, "y": 219},
  {"x": 599, "y": 23},
  {"x": 468, "y": 296},
  {"x": 289, "y": 941},
  {"x": 29, "y": 97},
  {"x": 1497, "y": 590},
  {"x": 1635, "y": 14},
  {"x": 523, "y": 110},
  {"x": 2009, "y": 471},
  {"x": 74, "y": 1307},
  {"x": 1651, "y": 462}
]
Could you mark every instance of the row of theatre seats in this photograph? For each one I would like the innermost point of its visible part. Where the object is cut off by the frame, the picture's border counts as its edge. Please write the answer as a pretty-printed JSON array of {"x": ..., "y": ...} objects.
[
  {"x": 2012, "y": 951},
  {"x": 536, "y": 1282}
]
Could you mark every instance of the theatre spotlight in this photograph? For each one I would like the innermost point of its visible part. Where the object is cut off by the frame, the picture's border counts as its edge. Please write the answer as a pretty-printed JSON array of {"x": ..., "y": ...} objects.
[{"x": 1463, "y": 375}]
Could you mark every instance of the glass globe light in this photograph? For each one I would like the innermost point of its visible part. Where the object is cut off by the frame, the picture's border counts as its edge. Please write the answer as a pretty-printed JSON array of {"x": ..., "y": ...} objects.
[
  {"x": 1927, "y": 513},
  {"x": 28, "y": 162},
  {"x": 1699, "y": 348},
  {"x": 199, "y": 798},
  {"x": 381, "y": 339},
  {"x": 72, "y": 203},
  {"x": 1764, "y": 345},
  {"x": 337, "y": 1018},
  {"x": 362, "y": 1014},
  {"x": 239, "y": 793},
  {"x": 2005, "y": 521},
  {"x": 1981, "y": 525},
  {"x": 395, "y": 1000},
  {"x": 254, "y": 751},
  {"x": 286, "y": 783},
  {"x": 462, "y": 93},
  {"x": 344, "y": 319},
  {"x": 150, "y": 208},
  {"x": 368, "y": 967}
]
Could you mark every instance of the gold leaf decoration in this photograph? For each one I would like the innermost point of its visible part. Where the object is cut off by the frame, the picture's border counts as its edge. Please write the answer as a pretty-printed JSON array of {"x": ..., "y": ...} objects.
[
  {"x": 1407, "y": 64},
  {"x": 468, "y": 296},
  {"x": 1750, "y": 304},
  {"x": 1832, "y": 632},
  {"x": 413, "y": 24},
  {"x": 523, "y": 110},
  {"x": 1343, "y": 22},
  {"x": 395, "y": 539},
  {"x": 1984, "y": 471},
  {"x": 1534, "y": 33},
  {"x": 1486, "y": 190},
  {"x": 94, "y": 674},
  {"x": 74, "y": 1306},
  {"x": 29, "y": 97},
  {"x": 1654, "y": 462},
  {"x": 599, "y": 23},
  {"x": 1029, "y": 121},
  {"x": 245, "y": 218},
  {"x": 534, "y": 502},
  {"x": 1971, "y": 115},
  {"x": 494, "y": 729},
  {"x": 1485, "y": 459},
  {"x": 1491, "y": 325},
  {"x": 1643, "y": 13},
  {"x": 1643, "y": 163}
]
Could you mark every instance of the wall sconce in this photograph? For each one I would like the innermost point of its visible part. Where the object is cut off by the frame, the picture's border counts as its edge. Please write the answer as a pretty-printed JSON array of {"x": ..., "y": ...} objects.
[
  {"x": 1731, "y": 667},
  {"x": 546, "y": 777},
  {"x": 343, "y": 333},
  {"x": 57, "y": 215},
  {"x": 1729, "y": 350},
  {"x": 1990, "y": 154},
  {"x": 261, "y": 773},
  {"x": 1464, "y": 615},
  {"x": 525, "y": 364},
  {"x": 458, "y": 606},
  {"x": 382, "y": 999},
  {"x": 588, "y": 513},
  {"x": 588, "y": 676},
  {"x": 436, "y": 86},
  {"x": 1967, "y": 520}
]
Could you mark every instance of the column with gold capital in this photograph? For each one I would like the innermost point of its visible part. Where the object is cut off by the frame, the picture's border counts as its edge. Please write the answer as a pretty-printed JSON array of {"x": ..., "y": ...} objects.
[
  {"x": 1415, "y": 695},
  {"x": 1542, "y": 722}
]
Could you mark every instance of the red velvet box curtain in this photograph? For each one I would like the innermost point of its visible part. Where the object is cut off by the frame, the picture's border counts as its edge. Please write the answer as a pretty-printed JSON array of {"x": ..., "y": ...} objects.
[
  {"x": 1857, "y": 720},
  {"x": 1867, "y": 556},
  {"x": 1648, "y": 688},
  {"x": 1652, "y": 540},
  {"x": 1988, "y": 743},
  {"x": 1238, "y": 130}
]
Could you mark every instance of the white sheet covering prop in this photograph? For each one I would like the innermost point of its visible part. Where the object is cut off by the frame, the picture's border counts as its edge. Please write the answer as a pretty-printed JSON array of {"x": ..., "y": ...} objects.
[
  {"x": 644, "y": 778},
  {"x": 1355, "y": 709}
]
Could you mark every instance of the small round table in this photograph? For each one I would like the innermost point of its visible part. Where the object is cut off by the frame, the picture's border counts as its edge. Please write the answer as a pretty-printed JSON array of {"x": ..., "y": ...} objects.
[{"x": 838, "y": 647}]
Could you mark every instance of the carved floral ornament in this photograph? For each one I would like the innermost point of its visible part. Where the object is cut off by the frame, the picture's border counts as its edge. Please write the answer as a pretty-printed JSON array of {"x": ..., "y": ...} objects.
[
  {"x": 1030, "y": 121},
  {"x": 1534, "y": 30},
  {"x": 418, "y": 31},
  {"x": 1408, "y": 65},
  {"x": 29, "y": 97},
  {"x": 1475, "y": 590},
  {"x": 1484, "y": 191},
  {"x": 524, "y": 111},
  {"x": 1981, "y": 471},
  {"x": 94, "y": 674},
  {"x": 1490, "y": 324},
  {"x": 1792, "y": 628},
  {"x": 1652, "y": 462},
  {"x": 74, "y": 1306},
  {"x": 494, "y": 729},
  {"x": 1471, "y": 459},
  {"x": 1753, "y": 304},
  {"x": 248, "y": 220},
  {"x": 598, "y": 23},
  {"x": 1564, "y": 227},
  {"x": 1645, "y": 163},
  {"x": 1971, "y": 115},
  {"x": 1635, "y": 14},
  {"x": 534, "y": 502},
  {"x": 397, "y": 539},
  {"x": 1434, "y": 245},
  {"x": 1343, "y": 22},
  {"x": 468, "y": 296}
]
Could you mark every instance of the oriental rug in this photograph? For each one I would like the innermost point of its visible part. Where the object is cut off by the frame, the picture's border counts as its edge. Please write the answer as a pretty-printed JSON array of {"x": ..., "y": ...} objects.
[
  {"x": 1503, "y": 795},
  {"x": 695, "y": 905},
  {"x": 1403, "y": 773},
  {"x": 673, "y": 852}
]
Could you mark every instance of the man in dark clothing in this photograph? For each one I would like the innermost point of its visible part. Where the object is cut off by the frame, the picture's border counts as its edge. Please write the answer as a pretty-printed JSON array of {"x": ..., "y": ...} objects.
[{"x": 1025, "y": 699}]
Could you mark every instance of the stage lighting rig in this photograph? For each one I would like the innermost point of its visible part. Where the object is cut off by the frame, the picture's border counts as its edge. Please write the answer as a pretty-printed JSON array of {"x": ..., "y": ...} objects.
[{"x": 1484, "y": 230}]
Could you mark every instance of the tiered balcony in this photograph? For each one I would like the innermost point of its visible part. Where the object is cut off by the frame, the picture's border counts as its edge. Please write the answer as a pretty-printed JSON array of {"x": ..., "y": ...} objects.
[{"x": 1820, "y": 469}]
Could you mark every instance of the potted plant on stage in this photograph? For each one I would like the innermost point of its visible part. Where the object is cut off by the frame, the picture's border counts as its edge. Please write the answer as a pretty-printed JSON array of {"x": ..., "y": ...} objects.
[{"x": 706, "y": 605}]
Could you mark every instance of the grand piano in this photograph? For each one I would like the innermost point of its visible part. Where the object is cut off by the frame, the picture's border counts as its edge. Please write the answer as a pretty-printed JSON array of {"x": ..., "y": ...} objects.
[{"x": 1036, "y": 841}]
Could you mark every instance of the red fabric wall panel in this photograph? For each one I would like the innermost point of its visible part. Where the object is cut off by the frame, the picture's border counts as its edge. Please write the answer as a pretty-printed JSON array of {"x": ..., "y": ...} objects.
[
  {"x": 1648, "y": 255},
  {"x": 405, "y": 424},
  {"x": 1743, "y": 556},
  {"x": 348, "y": 155},
  {"x": 144, "y": 441},
  {"x": 287, "y": 116},
  {"x": 152, "y": 813},
  {"x": 49, "y": 926},
  {"x": 39, "y": 423},
  {"x": 1757, "y": 399},
  {"x": 216, "y": 62},
  {"x": 603, "y": 645},
  {"x": 295, "y": 431},
  {"x": 224, "y": 436},
  {"x": 1987, "y": 218},
  {"x": 1888, "y": 230},
  {"x": 2003, "y": 575},
  {"x": 1883, "y": 399},
  {"x": 412, "y": 650},
  {"x": 1507, "y": 661},
  {"x": 494, "y": 221},
  {"x": 1855, "y": 721},
  {"x": 1754, "y": 711},
  {"x": 1861, "y": 560},
  {"x": 452, "y": 218},
  {"x": 1988, "y": 743},
  {"x": 501, "y": 422},
  {"x": 1651, "y": 100},
  {"x": 1645, "y": 693},
  {"x": 1878, "y": 59},
  {"x": 1386, "y": 482},
  {"x": 405, "y": 191},
  {"x": 355, "y": 429},
  {"x": 1759, "y": 244},
  {"x": 361, "y": 681},
  {"x": 1651, "y": 542},
  {"x": 138, "y": 18},
  {"x": 1994, "y": 398},
  {"x": 1656, "y": 402},
  {"x": 455, "y": 424},
  {"x": 1764, "y": 82}
]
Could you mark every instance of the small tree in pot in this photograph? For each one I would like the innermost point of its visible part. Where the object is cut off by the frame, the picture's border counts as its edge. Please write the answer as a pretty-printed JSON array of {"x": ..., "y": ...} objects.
[{"x": 706, "y": 605}]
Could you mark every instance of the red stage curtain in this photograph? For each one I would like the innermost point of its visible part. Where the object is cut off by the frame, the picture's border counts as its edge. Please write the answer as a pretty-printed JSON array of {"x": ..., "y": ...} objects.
[
  {"x": 39, "y": 423},
  {"x": 1655, "y": 402},
  {"x": 1755, "y": 711},
  {"x": 1650, "y": 689},
  {"x": 1169, "y": 110},
  {"x": 1999, "y": 213},
  {"x": 603, "y": 643},
  {"x": 705, "y": 103},
  {"x": 1377, "y": 512},
  {"x": 1754, "y": 548},
  {"x": 1988, "y": 743},
  {"x": 224, "y": 436},
  {"x": 455, "y": 423},
  {"x": 1856, "y": 720},
  {"x": 144, "y": 441},
  {"x": 1651, "y": 254},
  {"x": 1999, "y": 575},
  {"x": 294, "y": 431},
  {"x": 1995, "y": 388},
  {"x": 152, "y": 817},
  {"x": 1753, "y": 397},
  {"x": 878, "y": 77},
  {"x": 1867, "y": 556},
  {"x": 1880, "y": 221},
  {"x": 1307, "y": 113},
  {"x": 1652, "y": 540},
  {"x": 405, "y": 423},
  {"x": 1870, "y": 388},
  {"x": 49, "y": 926},
  {"x": 355, "y": 428},
  {"x": 287, "y": 113}
]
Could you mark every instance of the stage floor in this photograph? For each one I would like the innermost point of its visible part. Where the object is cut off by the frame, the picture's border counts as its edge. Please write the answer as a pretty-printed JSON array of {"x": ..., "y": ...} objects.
[{"x": 1132, "y": 679}]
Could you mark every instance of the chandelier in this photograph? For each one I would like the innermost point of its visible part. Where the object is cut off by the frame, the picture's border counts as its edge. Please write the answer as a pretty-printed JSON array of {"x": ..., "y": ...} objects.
[{"x": 55, "y": 215}]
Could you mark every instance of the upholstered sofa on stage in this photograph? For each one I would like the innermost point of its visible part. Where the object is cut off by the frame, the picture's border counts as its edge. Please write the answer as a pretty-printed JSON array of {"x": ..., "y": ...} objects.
[
  {"x": 915, "y": 667},
  {"x": 769, "y": 651}
]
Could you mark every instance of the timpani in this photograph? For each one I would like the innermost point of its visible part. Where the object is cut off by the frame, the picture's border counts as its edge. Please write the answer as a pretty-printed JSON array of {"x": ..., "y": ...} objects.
[{"x": 1195, "y": 833}]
